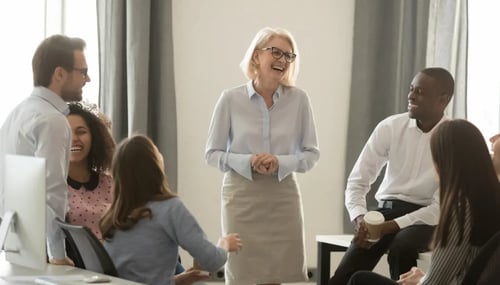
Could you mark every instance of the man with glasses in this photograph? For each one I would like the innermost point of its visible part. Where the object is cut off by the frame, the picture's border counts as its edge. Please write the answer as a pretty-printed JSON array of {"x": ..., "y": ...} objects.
[{"x": 38, "y": 126}]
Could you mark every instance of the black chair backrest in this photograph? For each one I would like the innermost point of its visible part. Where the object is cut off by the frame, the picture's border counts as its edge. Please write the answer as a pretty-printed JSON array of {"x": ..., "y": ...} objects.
[
  {"x": 485, "y": 264},
  {"x": 90, "y": 254}
]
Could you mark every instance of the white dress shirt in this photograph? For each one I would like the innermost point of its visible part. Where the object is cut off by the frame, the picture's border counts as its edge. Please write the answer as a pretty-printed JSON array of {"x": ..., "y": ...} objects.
[
  {"x": 38, "y": 127},
  {"x": 242, "y": 125},
  {"x": 410, "y": 176}
]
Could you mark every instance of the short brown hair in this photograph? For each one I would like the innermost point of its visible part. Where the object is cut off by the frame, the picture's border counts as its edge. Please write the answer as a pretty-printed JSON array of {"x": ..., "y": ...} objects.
[{"x": 54, "y": 51}]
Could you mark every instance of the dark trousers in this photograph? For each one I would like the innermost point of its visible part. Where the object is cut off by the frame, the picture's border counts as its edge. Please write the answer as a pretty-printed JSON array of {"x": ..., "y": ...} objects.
[
  {"x": 370, "y": 278},
  {"x": 402, "y": 248}
]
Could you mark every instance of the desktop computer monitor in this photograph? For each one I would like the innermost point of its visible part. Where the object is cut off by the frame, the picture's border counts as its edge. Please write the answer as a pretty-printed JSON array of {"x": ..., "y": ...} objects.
[{"x": 23, "y": 227}]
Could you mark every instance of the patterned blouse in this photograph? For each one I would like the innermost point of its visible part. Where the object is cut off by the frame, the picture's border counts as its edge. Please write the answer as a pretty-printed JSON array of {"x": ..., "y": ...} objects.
[
  {"x": 89, "y": 201},
  {"x": 449, "y": 263}
]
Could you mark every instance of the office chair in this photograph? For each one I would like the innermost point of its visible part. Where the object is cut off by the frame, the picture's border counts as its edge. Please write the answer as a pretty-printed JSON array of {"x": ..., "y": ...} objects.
[
  {"x": 89, "y": 252},
  {"x": 484, "y": 269}
]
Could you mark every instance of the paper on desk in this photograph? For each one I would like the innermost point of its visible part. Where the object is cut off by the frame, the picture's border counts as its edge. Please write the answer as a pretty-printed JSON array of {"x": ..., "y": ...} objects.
[{"x": 31, "y": 278}]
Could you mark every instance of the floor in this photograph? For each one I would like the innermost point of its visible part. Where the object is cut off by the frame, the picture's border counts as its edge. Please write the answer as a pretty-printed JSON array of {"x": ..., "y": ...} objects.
[{"x": 381, "y": 268}]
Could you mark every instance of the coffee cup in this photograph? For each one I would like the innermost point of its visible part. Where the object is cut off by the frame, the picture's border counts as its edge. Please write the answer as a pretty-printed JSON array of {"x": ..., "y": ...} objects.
[{"x": 373, "y": 222}]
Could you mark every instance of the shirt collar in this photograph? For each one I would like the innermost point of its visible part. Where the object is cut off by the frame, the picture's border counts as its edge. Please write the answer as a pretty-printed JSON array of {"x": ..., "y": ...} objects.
[
  {"x": 413, "y": 123},
  {"x": 251, "y": 91},
  {"x": 51, "y": 97},
  {"x": 90, "y": 185}
]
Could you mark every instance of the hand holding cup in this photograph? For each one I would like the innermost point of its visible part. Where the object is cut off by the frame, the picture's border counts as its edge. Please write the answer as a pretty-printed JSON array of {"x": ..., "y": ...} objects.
[{"x": 373, "y": 222}]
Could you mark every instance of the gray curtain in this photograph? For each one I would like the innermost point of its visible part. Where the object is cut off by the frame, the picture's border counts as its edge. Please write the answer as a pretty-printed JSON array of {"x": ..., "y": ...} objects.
[
  {"x": 390, "y": 38},
  {"x": 137, "y": 87},
  {"x": 447, "y": 47}
]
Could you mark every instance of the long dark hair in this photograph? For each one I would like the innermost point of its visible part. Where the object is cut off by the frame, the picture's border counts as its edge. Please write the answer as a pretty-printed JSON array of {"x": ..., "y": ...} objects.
[
  {"x": 139, "y": 178},
  {"x": 466, "y": 179}
]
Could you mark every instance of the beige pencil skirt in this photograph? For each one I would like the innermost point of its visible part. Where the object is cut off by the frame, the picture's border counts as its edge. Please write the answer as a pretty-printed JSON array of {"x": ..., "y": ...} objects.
[{"x": 268, "y": 216}]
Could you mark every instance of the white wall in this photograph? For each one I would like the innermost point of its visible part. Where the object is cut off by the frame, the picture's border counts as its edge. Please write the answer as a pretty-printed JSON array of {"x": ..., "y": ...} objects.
[{"x": 210, "y": 38}]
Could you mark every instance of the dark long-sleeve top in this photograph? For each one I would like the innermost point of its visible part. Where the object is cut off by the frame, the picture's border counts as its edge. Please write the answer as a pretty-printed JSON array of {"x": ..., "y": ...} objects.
[{"x": 449, "y": 263}]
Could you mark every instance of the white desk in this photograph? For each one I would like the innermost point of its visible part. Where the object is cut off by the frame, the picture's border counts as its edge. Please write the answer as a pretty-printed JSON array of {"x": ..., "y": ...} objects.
[
  {"x": 326, "y": 245},
  {"x": 12, "y": 271}
]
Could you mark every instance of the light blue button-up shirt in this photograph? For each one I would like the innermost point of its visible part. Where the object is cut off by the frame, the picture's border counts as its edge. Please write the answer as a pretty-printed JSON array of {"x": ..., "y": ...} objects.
[
  {"x": 242, "y": 125},
  {"x": 38, "y": 127}
]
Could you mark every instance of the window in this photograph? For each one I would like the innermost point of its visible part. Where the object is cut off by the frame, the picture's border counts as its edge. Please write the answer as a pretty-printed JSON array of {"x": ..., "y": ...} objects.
[
  {"x": 483, "y": 102},
  {"x": 20, "y": 39}
]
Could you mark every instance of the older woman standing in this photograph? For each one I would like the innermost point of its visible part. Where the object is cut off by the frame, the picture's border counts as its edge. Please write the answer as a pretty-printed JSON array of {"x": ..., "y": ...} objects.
[{"x": 261, "y": 133}]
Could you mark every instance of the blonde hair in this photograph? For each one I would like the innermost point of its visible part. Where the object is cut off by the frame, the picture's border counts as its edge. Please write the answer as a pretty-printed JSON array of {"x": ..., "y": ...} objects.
[{"x": 259, "y": 41}]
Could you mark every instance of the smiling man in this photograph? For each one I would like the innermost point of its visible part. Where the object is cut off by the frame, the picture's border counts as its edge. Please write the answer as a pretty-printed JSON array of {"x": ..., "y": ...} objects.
[
  {"x": 407, "y": 196},
  {"x": 38, "y": 126}
]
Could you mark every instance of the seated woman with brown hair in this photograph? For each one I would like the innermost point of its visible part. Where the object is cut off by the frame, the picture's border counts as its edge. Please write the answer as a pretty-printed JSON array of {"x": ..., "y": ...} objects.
[
  {"x": 147, "y": 223},
  {"x": 90, "y": 184}
]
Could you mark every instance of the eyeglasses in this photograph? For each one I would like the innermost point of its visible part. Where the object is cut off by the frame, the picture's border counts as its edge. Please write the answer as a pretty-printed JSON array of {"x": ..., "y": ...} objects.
[
  {"x": 83, "y": 71},
  {"x": 277, "y": 53}
]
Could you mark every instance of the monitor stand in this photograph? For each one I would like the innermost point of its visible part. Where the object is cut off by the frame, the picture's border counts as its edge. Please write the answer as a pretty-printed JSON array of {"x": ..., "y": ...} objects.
[{"x": 8, "y": 221}]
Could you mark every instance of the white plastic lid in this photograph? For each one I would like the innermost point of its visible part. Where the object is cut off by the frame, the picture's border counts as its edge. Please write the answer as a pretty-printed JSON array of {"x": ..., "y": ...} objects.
[{"x": 374, "y": 218}]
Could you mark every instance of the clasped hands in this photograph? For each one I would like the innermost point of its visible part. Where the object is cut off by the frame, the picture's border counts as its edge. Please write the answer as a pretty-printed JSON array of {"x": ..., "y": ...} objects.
[{"x": 264, "y": 163}]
